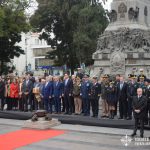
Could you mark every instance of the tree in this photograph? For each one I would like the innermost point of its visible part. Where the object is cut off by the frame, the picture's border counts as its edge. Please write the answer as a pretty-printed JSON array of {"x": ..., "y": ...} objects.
[
  {"x": 12, "y": 23},
  {"x": 75, "y": 24}
]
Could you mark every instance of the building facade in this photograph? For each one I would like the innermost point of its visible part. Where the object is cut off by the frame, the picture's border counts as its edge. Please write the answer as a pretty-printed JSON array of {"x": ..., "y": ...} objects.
[{"x": 35, "y": 53}]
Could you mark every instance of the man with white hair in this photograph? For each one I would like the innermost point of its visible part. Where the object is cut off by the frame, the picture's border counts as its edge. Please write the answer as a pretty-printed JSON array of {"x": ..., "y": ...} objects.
[
  {"x": 139, "y": 111},
  {"x": 47, "y": 92},
  {"x": 57, "y": 94}
]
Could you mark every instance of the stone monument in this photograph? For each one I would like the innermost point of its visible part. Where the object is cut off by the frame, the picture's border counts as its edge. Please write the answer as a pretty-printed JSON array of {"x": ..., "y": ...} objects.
[
  {"x": 124, "y": 47},
  {"x": 41, "y": 121}
]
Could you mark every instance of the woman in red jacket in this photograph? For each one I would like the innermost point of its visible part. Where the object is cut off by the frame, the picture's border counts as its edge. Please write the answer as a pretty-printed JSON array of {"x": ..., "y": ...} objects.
[{"x": 14, "y": 93}]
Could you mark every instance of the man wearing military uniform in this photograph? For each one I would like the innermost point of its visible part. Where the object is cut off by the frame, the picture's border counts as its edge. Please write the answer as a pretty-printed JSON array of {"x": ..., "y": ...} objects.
[
  {"x": 141, "y": 75},
  {"x": 117, "y": 81},
  {"x": 94, "y": 96},
  {"x": 130, "y": 78},
  {"x": 142, "y": 83},
  {"x": 131, "y": 91},
  {"x": 85, "y": 93},
  {"x": 104, "y": 85}
]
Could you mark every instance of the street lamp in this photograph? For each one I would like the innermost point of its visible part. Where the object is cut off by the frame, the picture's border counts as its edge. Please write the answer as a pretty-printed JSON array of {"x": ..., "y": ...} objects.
[{"x": 26, "y": 44}]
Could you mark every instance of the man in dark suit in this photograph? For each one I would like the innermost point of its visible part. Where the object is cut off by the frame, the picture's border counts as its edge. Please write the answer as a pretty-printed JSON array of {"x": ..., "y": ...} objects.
[
  {"x": 67, "y": 93},
  {"x": 47, "y": 93},
  {"x": 2, "y": 92},
  {"x": 139, "y": 111},
  {"x": 57, "y": 94},
  {"x": 95, "y": 95},
  {"x": 131, "y": 91},
  {"x": 122, "y": 98},
  {"x": 27, "y": 88}
]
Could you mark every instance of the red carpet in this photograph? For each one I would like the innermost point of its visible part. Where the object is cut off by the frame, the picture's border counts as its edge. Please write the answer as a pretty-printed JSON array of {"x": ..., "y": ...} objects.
[{"x": 13, "y": 140}]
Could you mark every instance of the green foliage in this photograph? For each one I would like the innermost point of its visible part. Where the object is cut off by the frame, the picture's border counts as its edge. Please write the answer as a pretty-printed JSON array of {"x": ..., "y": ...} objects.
[
  {"x": 76, "y": 25},
  {"x": 12, "y": 23}
]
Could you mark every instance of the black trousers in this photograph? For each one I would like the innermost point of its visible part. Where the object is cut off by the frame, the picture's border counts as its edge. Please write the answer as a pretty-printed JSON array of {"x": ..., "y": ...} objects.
[
  {"x": 25, "y": 99},
  {"x": 123, "y": 106},
  {"x": 116, "y": 108},
  {"x": 68, "y": 103},
  {"x": 21, "y": 103},
  {"x": 9, "y": 103},
  {"x": 31, "y": 101},
  {"x": 2, "y": 100},
  {"x": 72, "y": 104},
  {"x": 147, "y": 118},
  {"x": 63, "y": 105},
  {"x": 95, "y": 105},
  {"x": 130, "y": 107},
  {"x": 137, "y": 121}
]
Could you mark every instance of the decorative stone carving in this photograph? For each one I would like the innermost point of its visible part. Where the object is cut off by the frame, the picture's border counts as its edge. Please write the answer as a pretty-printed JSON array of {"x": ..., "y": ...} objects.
[
  {"x": 145, "y": 11},
  {"x": 133, "y": 14},
  {"x": 124, "y": 40},
  {"x": 122, "y": 9},
  {"x": 113, "y": 16},
  {"x": 125, "y": 44},
  {"x": 117, "y": 62}
]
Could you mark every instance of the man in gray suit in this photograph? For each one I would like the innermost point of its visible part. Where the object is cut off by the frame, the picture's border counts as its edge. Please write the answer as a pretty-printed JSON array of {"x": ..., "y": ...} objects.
[{"x": 27, "y": 92}]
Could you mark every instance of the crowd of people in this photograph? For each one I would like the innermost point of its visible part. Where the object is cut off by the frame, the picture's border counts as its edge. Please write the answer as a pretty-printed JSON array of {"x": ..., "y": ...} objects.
[{"x": 78, "y": 94}]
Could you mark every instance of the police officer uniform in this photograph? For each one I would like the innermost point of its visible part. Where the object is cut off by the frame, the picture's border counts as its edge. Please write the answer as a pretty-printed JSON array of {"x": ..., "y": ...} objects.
[
  {"x": 141, "y": 83},
  {"x": 104, "y": 85},
  {"x": 85, "y": 93},
  {"x": 95, "y": 93},
  {"x": 111, "y": 99}
]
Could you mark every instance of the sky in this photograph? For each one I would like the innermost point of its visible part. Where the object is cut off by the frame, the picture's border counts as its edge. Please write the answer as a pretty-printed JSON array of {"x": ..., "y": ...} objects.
[{"x": 107, "y": 4}]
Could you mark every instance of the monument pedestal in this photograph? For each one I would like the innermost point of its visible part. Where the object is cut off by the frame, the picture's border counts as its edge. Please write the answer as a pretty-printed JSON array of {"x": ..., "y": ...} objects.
[
  {"x": 125, "y": 44},
  {"x": 41, "y": 124}
]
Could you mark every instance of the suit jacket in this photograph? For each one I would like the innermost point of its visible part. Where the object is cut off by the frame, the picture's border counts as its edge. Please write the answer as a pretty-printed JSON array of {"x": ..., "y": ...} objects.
[
  {"x": 2, "y": 89},
  {"x": 140, "y": 104},
  {"x": 27, "y": 87},
  {"x": 47, "y": 90},
  {"x": 122, "y": 93},
  {"x": 57, "y": 89},
  {"x": 68, "y": 88}
]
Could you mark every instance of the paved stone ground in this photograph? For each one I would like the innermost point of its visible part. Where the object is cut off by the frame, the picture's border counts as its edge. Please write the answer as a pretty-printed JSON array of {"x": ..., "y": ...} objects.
[{"x": 77, "y": 137}]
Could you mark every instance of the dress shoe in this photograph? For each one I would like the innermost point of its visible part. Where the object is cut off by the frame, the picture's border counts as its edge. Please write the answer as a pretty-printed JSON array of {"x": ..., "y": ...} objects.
[
  {"x": 125, "y": 118},
  {"x": 129, "y": 118},
  {"x": 133, "y": 134},
  {"x": 103, "y": 116},
  {"x": 66, "y": 113},
  {"x": 120, "y": 118},
  {"x": 141, "y": 136}
]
